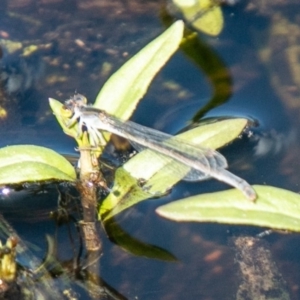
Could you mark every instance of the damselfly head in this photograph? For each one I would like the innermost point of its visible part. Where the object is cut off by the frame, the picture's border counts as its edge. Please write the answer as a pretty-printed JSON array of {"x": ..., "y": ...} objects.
[{"x": 77, "y": 100}]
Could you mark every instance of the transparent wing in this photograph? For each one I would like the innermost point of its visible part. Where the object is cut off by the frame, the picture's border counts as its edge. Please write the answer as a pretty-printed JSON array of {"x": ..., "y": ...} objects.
[
  {"x": 169, "y": 147},
  {"x": 190, "y": 173}
]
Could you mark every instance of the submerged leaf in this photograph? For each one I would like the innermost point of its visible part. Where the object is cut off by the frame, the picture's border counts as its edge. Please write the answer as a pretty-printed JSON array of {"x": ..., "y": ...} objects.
[
  {"x": 133, "y": 245},
  {"x": 275, "y": 208},
  {"x": 25, "y": 163}
]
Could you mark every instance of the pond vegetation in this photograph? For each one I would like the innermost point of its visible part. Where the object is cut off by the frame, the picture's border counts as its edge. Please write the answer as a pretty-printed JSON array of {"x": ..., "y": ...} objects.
[{"x": 92, "y": 198}]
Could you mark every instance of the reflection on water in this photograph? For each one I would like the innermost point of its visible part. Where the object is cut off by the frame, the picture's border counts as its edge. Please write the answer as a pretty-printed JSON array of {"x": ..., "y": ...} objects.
[{"x": 76, "y": 45}]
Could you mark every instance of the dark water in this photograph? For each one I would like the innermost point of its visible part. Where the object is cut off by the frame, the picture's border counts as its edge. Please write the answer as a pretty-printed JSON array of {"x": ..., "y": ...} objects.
[{"x": 76, "y": 42}]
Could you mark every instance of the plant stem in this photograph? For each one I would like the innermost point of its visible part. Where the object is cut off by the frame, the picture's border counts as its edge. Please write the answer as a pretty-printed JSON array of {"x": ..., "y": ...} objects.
[
  {"x": 87, "y": 187},
  {"x": 90, "y": 179}
]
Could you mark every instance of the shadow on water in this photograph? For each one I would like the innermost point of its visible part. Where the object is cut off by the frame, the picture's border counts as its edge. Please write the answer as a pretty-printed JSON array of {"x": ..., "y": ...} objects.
[{"x": 53, "y": 48}]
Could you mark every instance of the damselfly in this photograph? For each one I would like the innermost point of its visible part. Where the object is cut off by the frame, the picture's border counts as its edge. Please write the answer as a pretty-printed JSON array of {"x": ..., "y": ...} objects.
[{"x": 203, "y": 162}]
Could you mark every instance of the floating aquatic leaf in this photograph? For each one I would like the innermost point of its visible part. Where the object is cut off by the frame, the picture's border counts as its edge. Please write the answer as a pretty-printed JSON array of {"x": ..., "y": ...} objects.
[
  {"x": 160, "y": 175},
  {"x": 124, "y": 194},
  {"x": 275, "y": 208},
  {"x": 145, "y": 165},
  {"x": 26, "y": 163}
]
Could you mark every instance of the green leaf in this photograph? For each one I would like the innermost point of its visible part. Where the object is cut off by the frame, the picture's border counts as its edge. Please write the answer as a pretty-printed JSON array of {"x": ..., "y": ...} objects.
[
  {"x": 124, "y": 89},
  {"x": 275, "y": 208},
  {"x": 160, "y": 175},
  {"x": 57, "y": 108},
  {"x": 134, "y": 246},
  {"x": 146, "y": 165},
  {"x": 26, "y": 163},
  {"x": 203, "y": 15},
  {"x": 124, "y": 194}
]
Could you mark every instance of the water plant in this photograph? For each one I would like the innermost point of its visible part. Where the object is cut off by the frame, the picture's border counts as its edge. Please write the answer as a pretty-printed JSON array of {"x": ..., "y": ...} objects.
[
  {"x": 119, "y": 97},
  {"x": 275, "y": 208}
]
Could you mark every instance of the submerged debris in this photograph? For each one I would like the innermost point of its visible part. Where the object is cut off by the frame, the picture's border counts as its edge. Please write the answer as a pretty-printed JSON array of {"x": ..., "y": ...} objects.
[{"x": 259, "y": 275}]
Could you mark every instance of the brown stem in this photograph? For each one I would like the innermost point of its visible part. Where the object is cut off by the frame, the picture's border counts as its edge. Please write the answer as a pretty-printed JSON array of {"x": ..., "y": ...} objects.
[
  {"x": 87, "y": 187},
  {"x": 90, "y": 179}
]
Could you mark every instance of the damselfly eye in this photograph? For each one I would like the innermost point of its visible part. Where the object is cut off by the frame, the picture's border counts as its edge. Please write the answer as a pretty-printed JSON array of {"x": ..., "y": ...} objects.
[
  {"x": 80, "y": 98},
  {"x": 12, "y": 242},
  {"x": 66, "y": 111}
]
